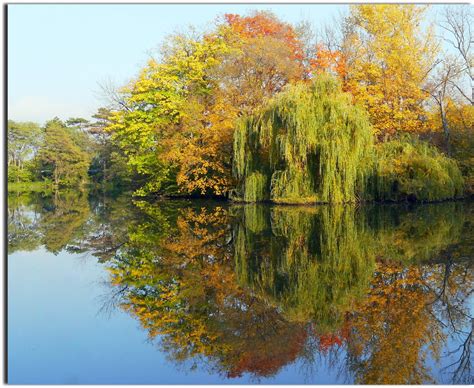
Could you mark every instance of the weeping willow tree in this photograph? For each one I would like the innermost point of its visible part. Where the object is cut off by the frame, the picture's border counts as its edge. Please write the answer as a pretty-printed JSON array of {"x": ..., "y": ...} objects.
[
  {"x": 312, "y": 263},
  {"x": 309, "y": 144}
]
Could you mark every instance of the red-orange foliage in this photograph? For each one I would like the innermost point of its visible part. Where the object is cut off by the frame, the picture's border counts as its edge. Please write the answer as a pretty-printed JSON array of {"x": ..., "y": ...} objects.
[
  {"x": 265, "y": 24},
  {"x": 273, "y": 355},
  {"x": 328, "y": 340},
  {"x": 326, "y": 60}
]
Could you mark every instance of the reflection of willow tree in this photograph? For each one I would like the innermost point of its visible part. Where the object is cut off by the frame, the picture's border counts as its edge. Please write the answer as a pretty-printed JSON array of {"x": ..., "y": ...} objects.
[
  {"x": 256, "y": 291},
  {"x": 65, "y": 214},
  {"x": 312, "y": 262}
]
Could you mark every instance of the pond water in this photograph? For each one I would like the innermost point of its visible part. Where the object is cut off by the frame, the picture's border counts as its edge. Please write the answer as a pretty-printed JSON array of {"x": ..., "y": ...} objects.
[{"x": 110, "y": 290}]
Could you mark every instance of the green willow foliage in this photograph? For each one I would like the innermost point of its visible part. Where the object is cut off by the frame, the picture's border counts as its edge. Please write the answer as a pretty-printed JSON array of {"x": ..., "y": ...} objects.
[
  {"x": 310, "y": 144},
  {"x": 411, "y": 169},
  {"x": 311, "y": 262}
]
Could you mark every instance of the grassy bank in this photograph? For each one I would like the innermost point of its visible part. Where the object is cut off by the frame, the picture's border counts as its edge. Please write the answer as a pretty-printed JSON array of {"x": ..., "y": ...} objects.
[{"x": 29, "y": 186}]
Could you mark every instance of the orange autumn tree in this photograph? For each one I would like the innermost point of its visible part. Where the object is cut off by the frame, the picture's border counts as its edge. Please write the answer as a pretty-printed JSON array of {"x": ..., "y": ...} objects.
[
  {"x": 266, "y": 55},
  {"x": 265, "y": 24},
  {"x": 203, "y": 152},
  {"x": 330, "y": 61}
]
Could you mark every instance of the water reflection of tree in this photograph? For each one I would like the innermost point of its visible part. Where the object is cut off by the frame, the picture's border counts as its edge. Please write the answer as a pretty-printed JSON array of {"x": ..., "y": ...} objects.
[
  {"x": 313, "y": 262},
  {"x": 452, "y": 295},
  {"x": 418, "y": 298},
  {"x": 107, "y": 228},
  {"x": 181, "y": 286},
  {"x": 61, "y": 224},
  {"x": 391, "y": 328},
  {"x": 256, "y": 288},
  {"x": 23, "y": 216},
  {"x": 51, "y": 221},
  {"x": 250, "y": 289}
]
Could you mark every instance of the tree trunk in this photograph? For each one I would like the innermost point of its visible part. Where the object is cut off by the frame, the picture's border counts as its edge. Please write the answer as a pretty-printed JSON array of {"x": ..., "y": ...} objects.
[
  {"x": 56, "y": 177},
  {"x": 447, "y": 134},
  {"x": 104, "y": 173}
]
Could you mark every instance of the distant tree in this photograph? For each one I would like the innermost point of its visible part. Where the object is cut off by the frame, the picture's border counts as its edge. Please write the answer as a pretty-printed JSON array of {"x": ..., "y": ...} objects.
[
  {"x": 61, "y": 158},
  {"x": 78, "y": 129},
  {"x": 24, "y": 139},
  {"x": 109, "y": 164},
  {"x": 77, "y": 122}
]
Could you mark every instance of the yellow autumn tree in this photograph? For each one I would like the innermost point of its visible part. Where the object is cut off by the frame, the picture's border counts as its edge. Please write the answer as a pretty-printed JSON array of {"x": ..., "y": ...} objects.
[
  {"x": 393, "y": 54},
  {"x": 172, "y": 124}
]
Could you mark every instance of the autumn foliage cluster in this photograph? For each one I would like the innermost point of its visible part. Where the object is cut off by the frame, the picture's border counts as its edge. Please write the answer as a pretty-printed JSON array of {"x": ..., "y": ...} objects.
[{"x": 180, "y": 122}]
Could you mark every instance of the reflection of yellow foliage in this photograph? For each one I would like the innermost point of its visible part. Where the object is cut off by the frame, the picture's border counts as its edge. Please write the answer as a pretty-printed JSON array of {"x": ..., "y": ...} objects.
[
  {"x": 189, "y": 296},
  {"x": 392, "y": 326}
]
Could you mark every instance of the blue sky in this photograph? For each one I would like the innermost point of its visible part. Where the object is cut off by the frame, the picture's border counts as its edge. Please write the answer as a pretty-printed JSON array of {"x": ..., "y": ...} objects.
[{"x": 59, "y": 53}]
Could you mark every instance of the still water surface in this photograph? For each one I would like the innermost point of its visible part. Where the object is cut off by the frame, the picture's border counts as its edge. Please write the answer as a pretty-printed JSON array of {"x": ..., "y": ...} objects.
[{"x": 106, "y": 290}]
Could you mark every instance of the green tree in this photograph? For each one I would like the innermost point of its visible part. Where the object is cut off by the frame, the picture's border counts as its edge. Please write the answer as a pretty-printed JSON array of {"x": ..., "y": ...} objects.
[
  {"x": 61, "y": 158},
  {"x": 109, "y": 164},
  {"x": 24, "y": 139},
  {"x": 165, "y": 110}
]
